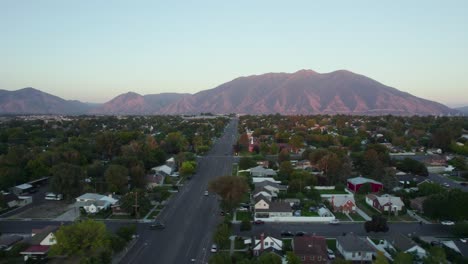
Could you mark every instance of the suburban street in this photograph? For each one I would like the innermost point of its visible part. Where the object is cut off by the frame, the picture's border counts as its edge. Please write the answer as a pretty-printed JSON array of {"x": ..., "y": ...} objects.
[
  {"x": 444, "y": 180},
  {"x": 190, "y": 216}
]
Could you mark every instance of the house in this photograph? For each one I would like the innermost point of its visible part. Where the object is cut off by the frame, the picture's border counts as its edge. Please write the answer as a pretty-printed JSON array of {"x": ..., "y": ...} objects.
[
  {"x": 354, "y": 248},
  {"x": 153, "y": 180},
  {"x": 40, "y": 243},
  {"x": 260, "y": 171},
  {"x": 93, "y": 203},
  {"x": 324, "y": 212},
  {"x": 265, "y": 244},
  {"x": 21, "y": 189},
  {"x": 7, "y": 241},
  {"x": 310, "y": 249},
  {"x": 12, "y": 200},
  {"x": 400, "y": 242},
  {"x": 271, "y": 188},
  {"x": 262, "y": 179},
  {"x": 385, "y": 203},
  {"x": 417, "y": 203},
  {"x": 265, "y": 208},
  {"x": 343, "y": 203},
  {"x": 354, "y": 184},
  {"x": 163, "y": 170}
]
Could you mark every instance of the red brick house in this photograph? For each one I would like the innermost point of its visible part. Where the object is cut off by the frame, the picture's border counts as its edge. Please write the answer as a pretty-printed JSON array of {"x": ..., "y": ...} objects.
[
  {"x": 354, "y": 184},
  {"x": 310, "y": 249},
  {"x": 343, "y": 203}
]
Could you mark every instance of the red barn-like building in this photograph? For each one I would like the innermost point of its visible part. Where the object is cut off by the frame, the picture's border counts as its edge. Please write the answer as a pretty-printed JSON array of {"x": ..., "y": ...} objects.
[{"x": 354, "y": 184}]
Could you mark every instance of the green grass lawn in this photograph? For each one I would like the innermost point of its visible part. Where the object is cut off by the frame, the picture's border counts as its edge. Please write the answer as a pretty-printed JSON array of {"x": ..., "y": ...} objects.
[
  {"x": 121, "y": 217},
  {"x": 455, "y": 178},
  {"x": 404, "y": 217},
  {"x": 361, "y": 203},
  {"x": 357, "y": 217},
  {"x": 287, "y": 244},
  {"x": 341, "y": 216},
  {"x": 154, "y": 214},
  {"x": 331, "y": 244},
  {"x": 308, "y": 213},
  {"x": 241, "y": 216},
  {"x": 332, "y": 192}
]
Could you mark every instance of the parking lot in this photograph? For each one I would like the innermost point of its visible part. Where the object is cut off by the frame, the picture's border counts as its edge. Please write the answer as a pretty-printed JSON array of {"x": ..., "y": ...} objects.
[{"x": 45, "y": 210}]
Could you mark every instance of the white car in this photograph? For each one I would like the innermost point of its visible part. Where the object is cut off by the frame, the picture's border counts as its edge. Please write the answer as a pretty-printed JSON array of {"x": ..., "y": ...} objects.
[
  {"x": 463, "y": 239},
  {"x": 206, "y": 193},
  {"x": 331, "y": 254},
  {"x": 447, "y": 222},
  {"x": 334, "y": 222},
  {"x": 214, "y": 248}
]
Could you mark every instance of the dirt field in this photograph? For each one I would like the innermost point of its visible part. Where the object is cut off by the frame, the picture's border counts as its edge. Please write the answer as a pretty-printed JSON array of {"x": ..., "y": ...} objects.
[{"x": 49, "y": 209}]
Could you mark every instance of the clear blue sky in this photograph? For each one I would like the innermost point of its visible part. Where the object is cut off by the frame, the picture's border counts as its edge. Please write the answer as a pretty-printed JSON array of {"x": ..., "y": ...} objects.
[{"x": 94, "y": 50}]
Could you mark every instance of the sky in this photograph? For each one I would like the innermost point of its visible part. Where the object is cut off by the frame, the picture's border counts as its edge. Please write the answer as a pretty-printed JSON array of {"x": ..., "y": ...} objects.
[{"x": 95, "y": 50}]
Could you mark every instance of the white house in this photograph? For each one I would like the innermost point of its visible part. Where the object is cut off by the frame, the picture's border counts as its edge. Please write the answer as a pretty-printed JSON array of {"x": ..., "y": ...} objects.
[
  {"x": 164, "y": 169},
  {"x": 40, "y": 242},
  {"x": 260, "y": 171},
  {"x": 354, "y": 248},
  {"x": 265, "y": 244},
  {"x": 262, "y": 179},
  {"x": 93, "y": 203},
  {"x": 385, "y": 203}
]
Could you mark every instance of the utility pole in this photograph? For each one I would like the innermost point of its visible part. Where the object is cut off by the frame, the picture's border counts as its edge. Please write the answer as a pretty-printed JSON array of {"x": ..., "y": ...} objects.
[{"x": 136, "y": 205}]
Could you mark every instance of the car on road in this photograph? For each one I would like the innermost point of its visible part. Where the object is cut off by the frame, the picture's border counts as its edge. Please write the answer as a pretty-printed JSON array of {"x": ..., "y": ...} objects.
[
  {"x": 463, "y": 183},
  {"x": 435, "y": 243},
  {"x": 53, "y": 196},
  {"x": 331, "y": 254},
  {"x": 334, "y": 222},
  {"x": 300, "y": 233},
  {"x": 259, "y": 222},
  {"x": 447, "y": 222},
  {"x": 463, "y": 239},
  {"x": 214, "y": 248},
  {"x": 287, "y": 234},
  {"x": 206, "y": 193},
  {"x": 445, "y": 184},
  {"x": 157, "y": 225}
]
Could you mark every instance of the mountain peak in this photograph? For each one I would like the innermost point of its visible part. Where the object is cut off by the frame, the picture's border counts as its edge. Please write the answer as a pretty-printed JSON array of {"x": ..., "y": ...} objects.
[{"x": 305, "y": 72}]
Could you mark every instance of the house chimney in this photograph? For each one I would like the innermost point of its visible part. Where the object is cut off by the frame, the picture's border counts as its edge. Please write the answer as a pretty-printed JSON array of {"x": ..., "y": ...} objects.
[{"x": 262, "y": 238}]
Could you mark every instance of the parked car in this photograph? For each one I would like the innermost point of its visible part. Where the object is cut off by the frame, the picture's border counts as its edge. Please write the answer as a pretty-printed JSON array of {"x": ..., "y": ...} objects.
[
  {"x": 446, "y": 185},
  {"x": 334, "y": 222},
  {"x": 259, "y": 222},
  {"x": 206, "y": 193},
  {"x": 447, "y": 222},
  {"x": 157, "y": 225},
  {"x": 287, "y": 234},
  {"x": 53, "y": 196},
  {"x": 435, "y": 243},
  {"x": 300, "y": 233},
  {"x": 331, "y": 254},
  {"x": 214, "y": 248},
  {"x": 463, "y": 239}
]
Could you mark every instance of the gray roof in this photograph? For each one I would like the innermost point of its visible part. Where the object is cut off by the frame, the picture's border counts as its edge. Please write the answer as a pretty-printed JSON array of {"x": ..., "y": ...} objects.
[
  {"x": 37, "y": 238},
  {"x": 278, "y": 206},
  {"x": 261, "y": 197},
  {"x": 362, "y": 180},
  {"x": 352, "y": 243},
  {"x": 8, "y": 240},
  {"x": 273, "y": 184},
  {"x": 400, "y": 242},
  {"x": 90, "y": 196}
]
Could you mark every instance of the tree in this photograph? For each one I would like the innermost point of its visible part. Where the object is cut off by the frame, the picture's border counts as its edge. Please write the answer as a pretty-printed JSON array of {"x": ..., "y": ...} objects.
[
  {"x": 231, "y": 189},
  {"x": 221, "y": 234},
  {"x": 187, "y": 168},
  {"x": 283, "y": 155},
  {"x": 67, "y": 179},
  {"x": 220, "y": 258},
  {"x": 245, "y": 225},
  {"x": 436, "y": 256},
  {"x": 129, "y": 200},
  {"x": 403, "y": 258},
  {"x": 291, "y": 258},
  {"x": 269, "y": 258},
  {"x": 244, "y": 142},
  {"x": 175, "y": 142},
  {"x": 246, "y": 163},
  {"x": 377, "y": 224},
  {"x": 380, "y": 259},
  {"x": 285, "y": 170},
  {"x": 84, "y": 239},
  {"x": 296, "y": 142},
  {"x": 117, "y": 178}
]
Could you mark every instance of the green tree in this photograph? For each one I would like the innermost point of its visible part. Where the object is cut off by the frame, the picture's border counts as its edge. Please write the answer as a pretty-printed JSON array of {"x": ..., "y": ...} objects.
[
  {"x": 380, "y": 259},
  {"x": 221, "y": 235},
  {"x": 84, "y": 239},
  {"x": 220, "y": 258},
  {"x": 117, "y": 178},
  {"x": 231, "y": 189},
  {"x": 246, "y": 163},
  {"x": 175, "y": 142},
  {"x": 67, "y": 179},
  {"x": 283, "y": 155},
  {"x": 436, "y": 256},
  {"x": 187, "y": 168},
  {"x": 269, "y": 258},
  {"x": 403, "y": 258},
  {"x": 291, "y": 258}
]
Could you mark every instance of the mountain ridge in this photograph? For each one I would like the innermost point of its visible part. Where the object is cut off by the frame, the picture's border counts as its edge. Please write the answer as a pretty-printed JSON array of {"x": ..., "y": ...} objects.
[{"x": 302, "y": 92}]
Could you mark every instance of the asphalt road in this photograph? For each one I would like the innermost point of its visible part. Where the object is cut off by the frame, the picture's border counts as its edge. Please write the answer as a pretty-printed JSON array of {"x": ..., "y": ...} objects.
[
  {"x": 190, "y": 217},
  {"x": 327, "y": 230},
  {"x": 441, "y": 180}
]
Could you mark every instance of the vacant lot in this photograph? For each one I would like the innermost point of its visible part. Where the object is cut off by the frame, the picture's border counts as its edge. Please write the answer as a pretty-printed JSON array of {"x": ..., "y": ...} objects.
[{"x": 48, "y": 209}]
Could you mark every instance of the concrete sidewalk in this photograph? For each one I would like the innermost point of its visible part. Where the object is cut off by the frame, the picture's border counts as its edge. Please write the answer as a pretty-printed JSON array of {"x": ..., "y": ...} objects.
[{"x": 362, "y": 214}]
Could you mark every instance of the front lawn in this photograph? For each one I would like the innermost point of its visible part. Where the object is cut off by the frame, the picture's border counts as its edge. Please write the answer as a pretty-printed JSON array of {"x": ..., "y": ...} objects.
[
  {"x": 341, "y": 216},
  {"x": 361, "y": 203},
  {"x": 455, "y": 178},
  {"x": 239, "y": 243},
  {"x": 404, "y": 218},
  {"x": 287, "y": 244},
  {"x": 243, "y": 216},
  {"x": 308, "y": 213},
  {"x": 357, "y": 217},
  {"x": 331, "y": 244},
  {"x": 121, "y": 217}
]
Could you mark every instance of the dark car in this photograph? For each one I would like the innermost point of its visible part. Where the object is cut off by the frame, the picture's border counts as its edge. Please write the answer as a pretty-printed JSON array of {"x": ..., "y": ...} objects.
[
  {"x": 157, "y": 225},
  {"x": 287, "y": 234},
  {"x": 435, "y": 243},
  {"x": 300, "y": 233},
  {"x": 259, "y": 222}
]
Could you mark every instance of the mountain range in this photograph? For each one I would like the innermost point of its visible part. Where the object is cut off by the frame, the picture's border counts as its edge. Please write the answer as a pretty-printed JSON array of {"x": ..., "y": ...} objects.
[{"x": 302, "y": 92}]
